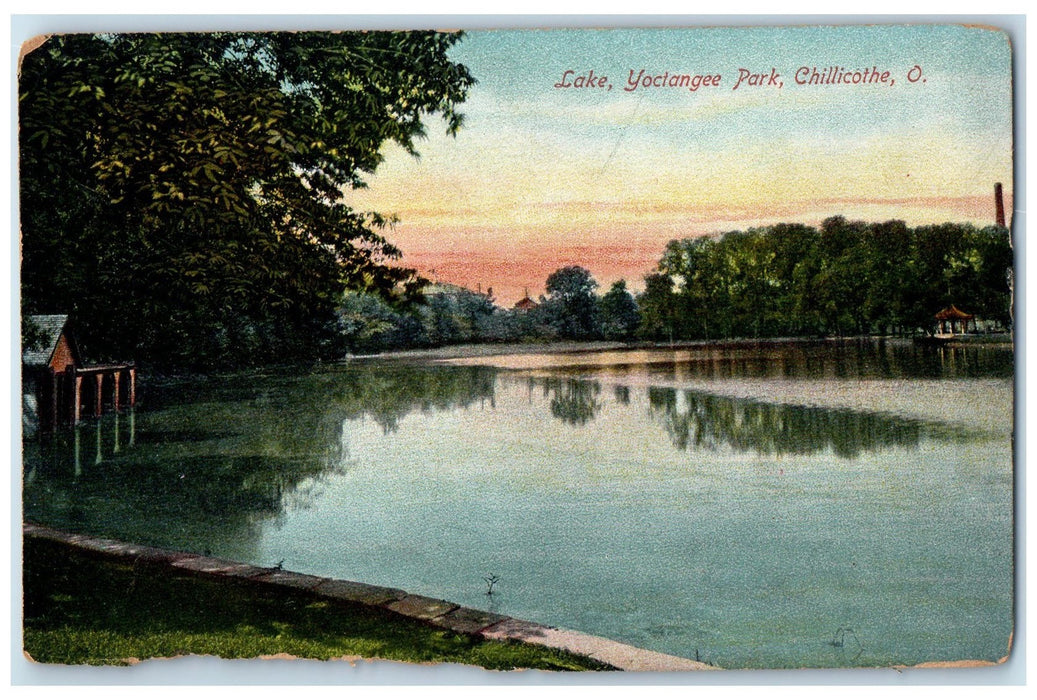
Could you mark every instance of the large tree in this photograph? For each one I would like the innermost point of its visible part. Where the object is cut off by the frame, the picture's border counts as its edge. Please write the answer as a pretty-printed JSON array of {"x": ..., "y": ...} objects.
[
  {"x": 181, "y": 194},
  {"x": 619, "y": 314},
  {"x": 571, "y": 308},
  {"x": 658, "y": 308}
]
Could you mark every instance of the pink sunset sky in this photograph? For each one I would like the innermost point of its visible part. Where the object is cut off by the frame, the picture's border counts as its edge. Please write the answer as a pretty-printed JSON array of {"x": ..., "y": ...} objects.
[{"x": 541, "y": 177}]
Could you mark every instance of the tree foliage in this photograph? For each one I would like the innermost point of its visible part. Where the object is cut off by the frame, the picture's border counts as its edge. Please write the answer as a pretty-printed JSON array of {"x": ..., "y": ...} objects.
[
  {"x": 844, "y": 278},
  {"x": 571, "y": 308},
  {"x": 181, "y": 193},
  {"x": 620, "y": 317},
  {"x": 445, "y": 315}
]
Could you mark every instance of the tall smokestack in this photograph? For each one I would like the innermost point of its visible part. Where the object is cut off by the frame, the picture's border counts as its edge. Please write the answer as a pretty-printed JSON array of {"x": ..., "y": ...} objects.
[{"x": 999, "y": 204}]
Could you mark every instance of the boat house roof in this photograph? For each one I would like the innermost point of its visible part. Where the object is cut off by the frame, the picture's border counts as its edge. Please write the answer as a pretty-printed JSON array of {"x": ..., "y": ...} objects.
[
  {"x": 58, "y": 347},
  {"x": 52, "y": 326}
]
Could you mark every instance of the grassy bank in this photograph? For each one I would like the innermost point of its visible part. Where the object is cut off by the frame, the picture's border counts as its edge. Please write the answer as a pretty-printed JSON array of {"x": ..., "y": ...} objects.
[{"x": 85, "y": 610}]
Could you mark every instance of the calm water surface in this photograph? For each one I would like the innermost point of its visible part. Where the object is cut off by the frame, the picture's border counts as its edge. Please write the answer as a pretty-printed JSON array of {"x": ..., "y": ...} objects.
[{"x": 772, "y": 506}]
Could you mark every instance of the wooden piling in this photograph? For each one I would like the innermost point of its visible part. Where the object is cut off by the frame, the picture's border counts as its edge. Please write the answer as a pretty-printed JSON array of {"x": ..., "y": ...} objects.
[
  {"x": 99, "y": 403},
  {"x": 78, "y": 398}
]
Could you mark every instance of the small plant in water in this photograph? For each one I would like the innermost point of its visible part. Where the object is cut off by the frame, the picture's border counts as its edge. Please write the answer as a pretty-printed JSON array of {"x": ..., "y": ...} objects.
[
  {"x": 491, "y": 581},
  {"x": 839, "y": 641}
]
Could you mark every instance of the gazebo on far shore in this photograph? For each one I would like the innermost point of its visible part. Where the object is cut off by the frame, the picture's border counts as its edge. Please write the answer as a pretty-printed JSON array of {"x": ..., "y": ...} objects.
[{"x": 953, "y": 320}]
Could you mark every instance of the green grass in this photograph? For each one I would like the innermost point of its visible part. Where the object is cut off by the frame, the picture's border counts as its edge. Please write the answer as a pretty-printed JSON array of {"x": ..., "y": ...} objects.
[{"x": 85, "y": 610}]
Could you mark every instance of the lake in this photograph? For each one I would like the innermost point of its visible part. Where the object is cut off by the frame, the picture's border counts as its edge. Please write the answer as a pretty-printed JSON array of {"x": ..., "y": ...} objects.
[{"x": 815, "y": 504}]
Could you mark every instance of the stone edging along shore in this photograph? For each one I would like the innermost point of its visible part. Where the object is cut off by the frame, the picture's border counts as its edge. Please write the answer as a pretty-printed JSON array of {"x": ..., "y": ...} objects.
[{"x": 439, "y": 613}]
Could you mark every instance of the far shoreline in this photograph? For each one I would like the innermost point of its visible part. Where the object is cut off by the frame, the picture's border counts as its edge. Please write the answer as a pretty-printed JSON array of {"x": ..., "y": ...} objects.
[
  {"x": 473, "y": 351},
  {"x": 477, "y": 350}
]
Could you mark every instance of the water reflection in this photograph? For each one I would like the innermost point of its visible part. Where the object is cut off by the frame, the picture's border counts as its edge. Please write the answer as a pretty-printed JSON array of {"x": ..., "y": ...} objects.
[
  {"x": 693, "y": 419},
  {"x": 830, "y": 359},
  {"x": 573, "y": 401},
  {"x": 387, "y": 394},
  {"x": 373, "y": 470},
  {"x": 382, "y": 393},
  {"x": 89, "y": 444},
  {"x": 207, "y": 469},
  {"x": 211, "y": 460}
]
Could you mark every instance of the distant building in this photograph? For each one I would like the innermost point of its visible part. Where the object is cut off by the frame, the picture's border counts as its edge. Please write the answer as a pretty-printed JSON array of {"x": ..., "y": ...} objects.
[{"x": 525, "y": 303}]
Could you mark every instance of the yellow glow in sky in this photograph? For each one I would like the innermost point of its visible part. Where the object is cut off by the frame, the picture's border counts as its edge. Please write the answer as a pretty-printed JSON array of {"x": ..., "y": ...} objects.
[{"x": 541, "y": 175}]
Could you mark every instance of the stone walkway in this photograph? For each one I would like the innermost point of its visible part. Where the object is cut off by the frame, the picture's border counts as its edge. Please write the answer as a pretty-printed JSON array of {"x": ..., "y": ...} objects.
[{"x": 440, "y": 613}]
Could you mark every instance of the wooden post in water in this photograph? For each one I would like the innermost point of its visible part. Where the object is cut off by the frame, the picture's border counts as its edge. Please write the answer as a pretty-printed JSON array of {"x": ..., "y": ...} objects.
[
  {"x": 133, "y": 387},
  {"x": 99, "y": 403},
  {"x": 77, "y": 399},
  {"x": 116, "y": 377}
]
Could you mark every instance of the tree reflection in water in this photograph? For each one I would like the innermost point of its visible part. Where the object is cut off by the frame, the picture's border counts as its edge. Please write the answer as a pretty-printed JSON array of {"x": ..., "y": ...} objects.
[
  {"x": 693, "y": 419},
  {"x": 828, "y": 359},
  {"x": 213, "y": 458},
  {"x": 573, "y": 401},
  {"x": 210, "y": 459}
]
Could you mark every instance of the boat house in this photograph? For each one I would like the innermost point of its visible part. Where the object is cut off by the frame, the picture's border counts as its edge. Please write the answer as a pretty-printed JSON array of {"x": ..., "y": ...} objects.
[{"x": 59, "y": 388}]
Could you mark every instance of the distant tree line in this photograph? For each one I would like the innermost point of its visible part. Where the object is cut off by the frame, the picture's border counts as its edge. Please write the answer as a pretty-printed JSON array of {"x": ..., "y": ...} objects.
[
  {"x": 450, "y": 315},
  {"x": 844, "y": 278},
  {"x": 787, "y": 280},
  {"x": 369, "y": 323}
]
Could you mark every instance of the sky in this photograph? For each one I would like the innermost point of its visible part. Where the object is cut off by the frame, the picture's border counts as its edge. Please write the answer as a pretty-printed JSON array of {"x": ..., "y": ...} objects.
[{"x": 543, "y": 176}]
